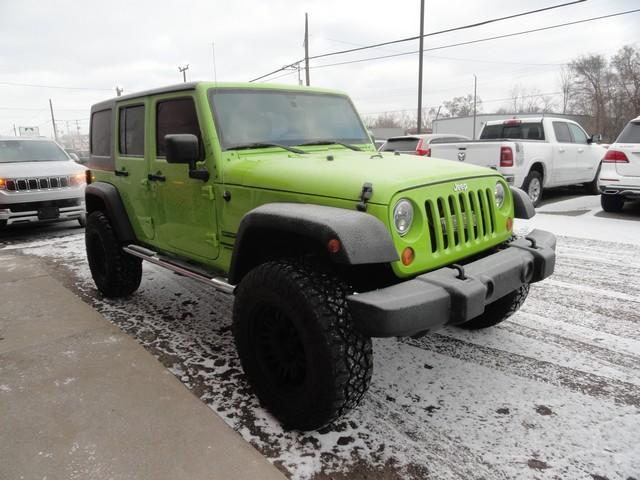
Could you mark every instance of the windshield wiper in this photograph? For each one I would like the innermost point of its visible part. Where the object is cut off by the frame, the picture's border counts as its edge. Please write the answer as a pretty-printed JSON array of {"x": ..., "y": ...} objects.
[
  {"x": 246, "y": 146},
  {"x": 331, "y": 142}
]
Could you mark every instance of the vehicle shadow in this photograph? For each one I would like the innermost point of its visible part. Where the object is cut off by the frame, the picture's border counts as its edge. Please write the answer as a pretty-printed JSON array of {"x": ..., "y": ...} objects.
[
  {"x": 37, "y": 231},
  {"x": 631, "y": 211},
  {"x": 555, "y": 195}
]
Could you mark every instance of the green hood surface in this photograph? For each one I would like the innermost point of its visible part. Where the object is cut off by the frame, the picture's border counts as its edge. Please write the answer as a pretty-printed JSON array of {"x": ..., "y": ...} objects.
[{"x": 343, "y": 176}]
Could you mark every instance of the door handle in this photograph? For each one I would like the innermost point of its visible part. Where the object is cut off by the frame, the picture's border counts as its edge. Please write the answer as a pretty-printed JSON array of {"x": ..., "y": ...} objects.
[
  {"x": 561, "y": 150},
  {"x": 580, "y": 150},
  {"x": 157, "y": 177},
  {"x": 121, "y": 173}
]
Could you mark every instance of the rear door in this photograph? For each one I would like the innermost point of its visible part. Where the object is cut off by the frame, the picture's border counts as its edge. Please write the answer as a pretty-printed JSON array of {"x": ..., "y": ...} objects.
[
  {"x": 588, "y": 155},
  {"x": 564, "y": 156},
  {"x": 629, "y": 143},
  {"x": 131, "y": 163},
  {"x": 183, "y": 208}
]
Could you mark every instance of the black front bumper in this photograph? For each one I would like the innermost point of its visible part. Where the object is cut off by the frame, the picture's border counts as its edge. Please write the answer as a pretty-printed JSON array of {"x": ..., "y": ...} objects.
[{"x": 450, "y": 296}]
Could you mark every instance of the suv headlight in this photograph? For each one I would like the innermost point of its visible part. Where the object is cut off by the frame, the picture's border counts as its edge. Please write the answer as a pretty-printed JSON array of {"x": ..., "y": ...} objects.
[
  {"x": 499, "y": 194},
  {"x": 403, "y": 216}
]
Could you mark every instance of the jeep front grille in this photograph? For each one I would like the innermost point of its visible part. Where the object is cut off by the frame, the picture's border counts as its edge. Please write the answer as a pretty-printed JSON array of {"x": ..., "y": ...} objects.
[
  {"x": 36, "y": 184},
  {"x": 460, "y": 218}
]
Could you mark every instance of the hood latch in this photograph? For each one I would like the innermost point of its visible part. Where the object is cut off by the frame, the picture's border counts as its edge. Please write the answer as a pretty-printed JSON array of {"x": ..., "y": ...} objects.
[{"x": 365, "y": 196}]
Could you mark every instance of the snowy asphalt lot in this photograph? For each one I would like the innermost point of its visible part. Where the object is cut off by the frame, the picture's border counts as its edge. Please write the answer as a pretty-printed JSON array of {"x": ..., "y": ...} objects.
[{"x": 553, "y": 393}]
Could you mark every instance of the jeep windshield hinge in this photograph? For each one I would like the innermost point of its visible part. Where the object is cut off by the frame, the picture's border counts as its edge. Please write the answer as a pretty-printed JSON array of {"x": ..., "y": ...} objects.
[{"x": 365, "y": 195}]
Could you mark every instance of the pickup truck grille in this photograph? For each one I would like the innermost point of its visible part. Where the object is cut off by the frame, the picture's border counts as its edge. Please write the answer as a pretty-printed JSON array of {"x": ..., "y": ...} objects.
[
  {"x": 460, "y": 218},
  {"x": 36, "y": 184}
]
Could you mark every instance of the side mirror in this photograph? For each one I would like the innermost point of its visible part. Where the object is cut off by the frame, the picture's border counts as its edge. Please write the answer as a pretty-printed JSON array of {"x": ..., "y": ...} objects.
[
  {"x": 595, "y": 138},
  {"x": 185, "y": 148}
]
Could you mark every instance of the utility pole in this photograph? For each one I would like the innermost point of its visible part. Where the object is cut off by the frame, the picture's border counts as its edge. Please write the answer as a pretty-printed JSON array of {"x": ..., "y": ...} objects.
[
  {"x": 183, "y": 70},
  {"x": 437, "y": 115},
  {"x": 53, "y": 121},
  {"x": 14, "y": 130},
  {"x": 119, "y": 90},
  {"x": 306, "y": 47},
  {"x": 420, "y": 66},
  {"x": 475, "y": 88}
]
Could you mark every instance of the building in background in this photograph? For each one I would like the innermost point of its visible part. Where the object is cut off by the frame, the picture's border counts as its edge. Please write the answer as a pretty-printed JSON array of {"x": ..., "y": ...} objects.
[{"x": 464, "y": 125}]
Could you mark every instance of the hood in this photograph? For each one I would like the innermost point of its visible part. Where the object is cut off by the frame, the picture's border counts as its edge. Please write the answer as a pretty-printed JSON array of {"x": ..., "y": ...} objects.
[
  {"x": 39, "y": 169},
  {"x": 343, "y": 177}
]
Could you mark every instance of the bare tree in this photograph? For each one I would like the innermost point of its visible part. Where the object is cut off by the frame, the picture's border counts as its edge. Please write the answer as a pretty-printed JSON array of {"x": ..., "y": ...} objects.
[{"x": 566, "y": 85}]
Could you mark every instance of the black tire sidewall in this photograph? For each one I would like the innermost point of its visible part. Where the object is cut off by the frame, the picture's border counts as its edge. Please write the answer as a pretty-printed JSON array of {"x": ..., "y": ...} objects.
[
  {"x": 611, "y": 203},
  {"x": 533, "y": 174}
]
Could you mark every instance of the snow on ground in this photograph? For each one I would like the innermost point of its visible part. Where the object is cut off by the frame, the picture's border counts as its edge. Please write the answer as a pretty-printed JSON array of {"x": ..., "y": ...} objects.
[{"x": 554, "y": 392}]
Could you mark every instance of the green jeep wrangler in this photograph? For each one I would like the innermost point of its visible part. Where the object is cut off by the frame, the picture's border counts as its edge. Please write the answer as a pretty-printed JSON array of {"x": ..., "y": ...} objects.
[{"x": 276, "y": 194}]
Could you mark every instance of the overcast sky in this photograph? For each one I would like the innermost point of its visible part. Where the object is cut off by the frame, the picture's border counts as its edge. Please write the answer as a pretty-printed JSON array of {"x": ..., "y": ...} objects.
[{"x": 91, "y": 46}]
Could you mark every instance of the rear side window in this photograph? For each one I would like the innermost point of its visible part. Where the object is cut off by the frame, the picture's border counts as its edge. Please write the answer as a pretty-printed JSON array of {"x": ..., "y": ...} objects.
[
  {"x": 175, "y": 116},
  {"x": 131, "y": 135},
  {"x": 520, "y": 131},
  {"x": 630, "y": 133},
  {"x": 562, "y": 132},
  {"x": 578, "y": 135},
  {"x": 400, "y": 145},
  {"x": 101, "y": 133}
]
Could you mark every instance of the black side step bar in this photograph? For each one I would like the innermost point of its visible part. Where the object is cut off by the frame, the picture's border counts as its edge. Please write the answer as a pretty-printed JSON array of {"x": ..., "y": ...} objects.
[{"x": 219, "y": 283}]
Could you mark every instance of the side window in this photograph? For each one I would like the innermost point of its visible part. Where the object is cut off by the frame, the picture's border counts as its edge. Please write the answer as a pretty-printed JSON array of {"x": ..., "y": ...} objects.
[
  {"x": 101, "y": 133},
  {"x": 175, "y": 116},
  {"x": 578, "y": 135},
  {"x": 131, "y": 135},
  {"x": 562, "y": 132}
]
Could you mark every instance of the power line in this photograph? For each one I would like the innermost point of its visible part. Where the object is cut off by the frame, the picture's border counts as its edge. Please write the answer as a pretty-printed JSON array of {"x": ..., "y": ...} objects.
[
  {"x": 448, "y": 30},
  {"x": 416, "y": 37},
  {"x": 479, "y": 40}
]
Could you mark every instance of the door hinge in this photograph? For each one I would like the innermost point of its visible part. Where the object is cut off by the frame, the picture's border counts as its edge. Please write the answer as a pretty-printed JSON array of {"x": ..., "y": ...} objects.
[
  {"x": 207, "y": 192},
  {"x": 211, "y": 239}
]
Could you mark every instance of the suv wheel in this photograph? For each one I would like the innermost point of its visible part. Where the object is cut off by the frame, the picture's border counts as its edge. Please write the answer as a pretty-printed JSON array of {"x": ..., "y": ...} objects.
[
  {"x": 611, "y": 203},
  {"x": 116, "y": 273},
  {"x": 592, "y": 188},
  {"x": 297, "y": 345},
  {"x": 500, "y": 310},
  {"x": 533, "y": 186}
]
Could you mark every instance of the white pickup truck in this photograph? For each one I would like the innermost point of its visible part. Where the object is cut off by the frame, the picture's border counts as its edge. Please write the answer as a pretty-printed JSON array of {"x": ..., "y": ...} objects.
[{"x": 533, "y": 153}]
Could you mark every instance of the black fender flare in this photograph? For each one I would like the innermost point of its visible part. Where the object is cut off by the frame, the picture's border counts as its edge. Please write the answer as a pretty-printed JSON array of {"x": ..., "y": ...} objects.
[
  {"x": 522, "y": 204},
  {"x": 363, "y": 238},
  {"x": 104, "y": 196}
]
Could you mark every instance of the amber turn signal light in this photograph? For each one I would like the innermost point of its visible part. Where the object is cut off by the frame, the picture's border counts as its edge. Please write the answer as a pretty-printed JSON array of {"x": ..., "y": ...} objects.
[
  {"x": 509, "y": 223},
  {"x": 407, "y": 256},
  {"x": 333, "y": 245}
]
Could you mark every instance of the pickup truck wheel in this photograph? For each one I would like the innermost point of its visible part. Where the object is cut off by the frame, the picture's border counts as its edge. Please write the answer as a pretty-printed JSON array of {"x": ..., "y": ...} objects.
[
  {"x": 533, "y": 186},
  {"x": 297, "y": 345},
  {"x": 592, "y": 187},
  {"x": 500, "y": 310},
  {"x": 611, "y": 203},
  {"x": 116, "y": 273}
]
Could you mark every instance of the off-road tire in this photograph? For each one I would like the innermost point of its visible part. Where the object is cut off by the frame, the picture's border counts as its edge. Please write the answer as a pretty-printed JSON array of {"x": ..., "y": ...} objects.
[
  {"x": 592, "y": 188},
  {"x": 611, "y": 203},
  {"x": 116, "y": 273},
  {"x": 532, "y": 177},
  {"x": 499, "y": 311},
  {"x": 327, "y": 365}
]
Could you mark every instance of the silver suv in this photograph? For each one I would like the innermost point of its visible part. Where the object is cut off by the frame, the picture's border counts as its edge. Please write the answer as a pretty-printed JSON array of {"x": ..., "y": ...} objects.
[{"x": 39, "y": 182}]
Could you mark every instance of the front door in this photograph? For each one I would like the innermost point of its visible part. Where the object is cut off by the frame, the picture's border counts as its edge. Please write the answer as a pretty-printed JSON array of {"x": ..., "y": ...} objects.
[
  {"x": 564, "y": 156},
  {"x": 587, "y": 154},
  {"x": 183, "y": 208}
]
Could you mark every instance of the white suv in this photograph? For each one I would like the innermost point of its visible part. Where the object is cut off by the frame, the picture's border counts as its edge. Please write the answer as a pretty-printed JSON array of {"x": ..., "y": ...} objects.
[
  {"x": 620, "y": 172},
  {"x": 39, "y": 182}
]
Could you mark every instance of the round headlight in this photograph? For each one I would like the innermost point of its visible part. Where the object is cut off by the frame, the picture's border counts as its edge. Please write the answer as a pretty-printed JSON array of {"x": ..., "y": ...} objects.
[
  {"x": 499, "y": 194},
  {"x": 403, "y": 216}
]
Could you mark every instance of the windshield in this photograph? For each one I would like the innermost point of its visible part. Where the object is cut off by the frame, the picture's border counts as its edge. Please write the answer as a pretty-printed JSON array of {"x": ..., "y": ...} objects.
[
  {"x": 630, "y": 134},
  {"x": 30, "y": 151},
  {"x": 525, "y": 131},
  {"x": 284, "y": 117}
]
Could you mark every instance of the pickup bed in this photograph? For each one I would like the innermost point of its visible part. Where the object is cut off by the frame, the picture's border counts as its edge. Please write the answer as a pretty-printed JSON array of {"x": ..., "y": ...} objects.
[{"x": 532, "y": 153}]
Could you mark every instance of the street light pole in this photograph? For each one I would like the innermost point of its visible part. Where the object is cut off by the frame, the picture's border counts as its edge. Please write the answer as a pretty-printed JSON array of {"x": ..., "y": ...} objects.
[
  {"x": 53, "y": 121},
  {"x": 306, "y": 48},
  {"x": 420, "y": 66},
  {"x": 183, "y": 70}
]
